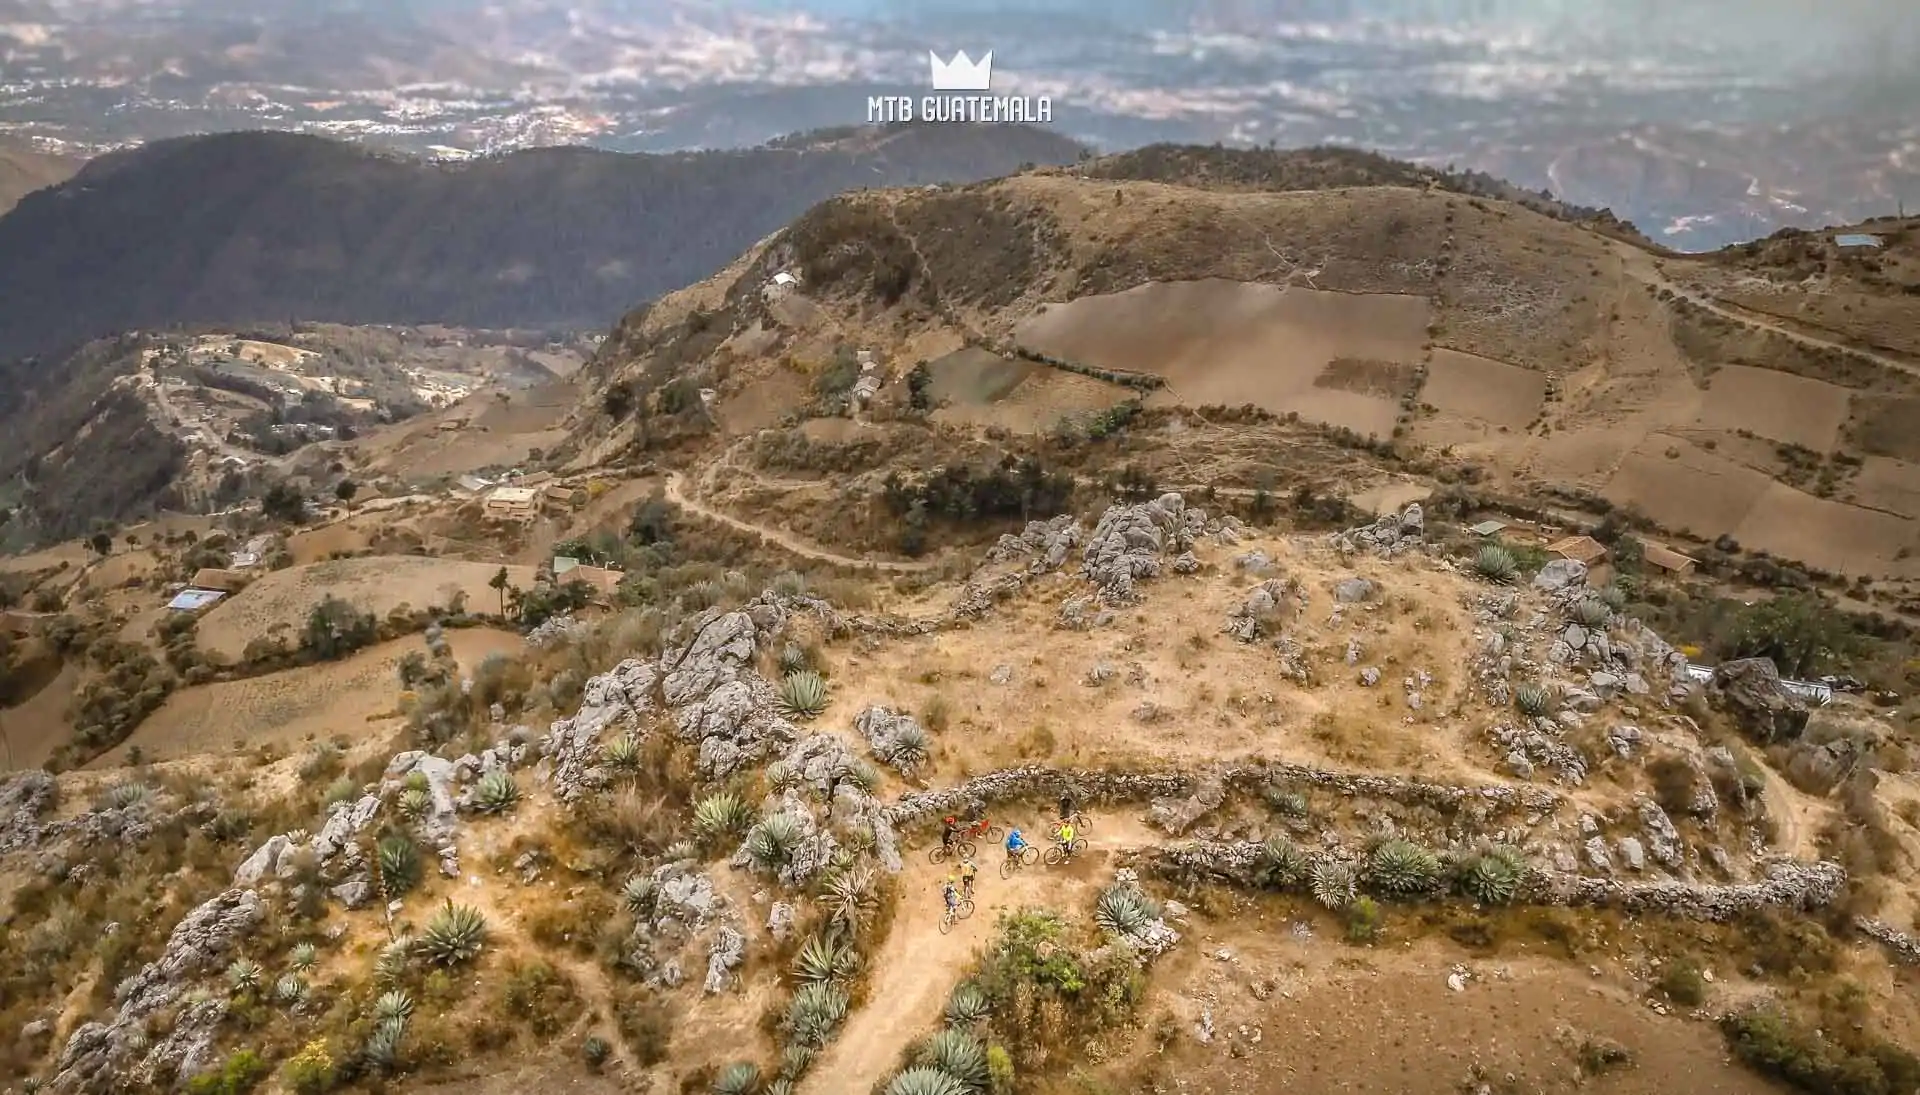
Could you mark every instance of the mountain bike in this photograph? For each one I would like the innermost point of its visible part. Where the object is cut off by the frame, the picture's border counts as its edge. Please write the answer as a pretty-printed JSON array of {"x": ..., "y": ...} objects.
[
  {"x": 951, "y": 916},
  {"x": 1056, "y": 855},
  {"x": 1027, "y": 857},
  {"x": 962, "y": 849},
  {"x": 1077, "y": 819},
  {"x": 981, "y": 829}
]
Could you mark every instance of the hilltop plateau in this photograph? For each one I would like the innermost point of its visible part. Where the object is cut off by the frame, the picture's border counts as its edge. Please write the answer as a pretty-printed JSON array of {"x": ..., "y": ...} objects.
[{"x": 600, "y": 737}]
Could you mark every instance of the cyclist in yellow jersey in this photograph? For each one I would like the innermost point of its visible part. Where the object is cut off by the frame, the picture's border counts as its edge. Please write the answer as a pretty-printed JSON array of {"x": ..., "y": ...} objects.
[
  {"x": 1066, "y": 839},
  {"x": 967, "y": 873}
]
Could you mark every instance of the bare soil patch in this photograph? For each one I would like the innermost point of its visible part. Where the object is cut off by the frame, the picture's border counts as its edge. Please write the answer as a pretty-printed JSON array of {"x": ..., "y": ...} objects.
[
  {"x": 1495, "y": 392},
  {"x": 1886, "y": 484},
  {"x": 1781, "y": 406},
  {"x": 39, "y": 726},
  {"x": 1887, "y": 426},
  {"x": 375, "y": 583},
  {"x": 1820, "y": 532},
  {"x": 1693, "y": 491},
  {"x": 976, "y": 387}
]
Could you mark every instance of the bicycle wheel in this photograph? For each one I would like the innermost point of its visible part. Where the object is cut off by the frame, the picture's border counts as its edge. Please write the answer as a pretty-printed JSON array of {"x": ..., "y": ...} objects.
[
  {"x": 1029, "y": 855},
  {"x": 1008, "y": 866},
  {"x": 1079, "y": 845},
  {"x": 1052, "y": 856},
  {"x": 946, "y": 923},
  {"x": 966, "y": 908},
  {"x": 966, "y": 849},
  {"x": 1079, "y": 820},
  {"x": 995, "y": 832},
  {"x": 937, "y": 854}
]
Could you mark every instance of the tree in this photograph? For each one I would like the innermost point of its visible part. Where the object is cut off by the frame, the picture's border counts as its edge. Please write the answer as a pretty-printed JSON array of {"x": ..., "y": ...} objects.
[
  {"x": 346, "y": 489},
  {"x": 1800, "y": 632},
  {"x": 652, "y": 521},
  {"x": 336, "y": 629},
  {"x": 920, "y": 388},
  {"x": 283, "y": 503},
  {"x": 498, "y": 583},
  {"x": 618, "y": 401},
  {"x": 101, "y": 542}
]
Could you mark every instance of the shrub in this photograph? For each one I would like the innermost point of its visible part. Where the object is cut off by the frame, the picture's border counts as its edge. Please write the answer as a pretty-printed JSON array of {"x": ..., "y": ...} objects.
[
  {"x": 595, "y": 1051},
  {"x": 310, "y": 1071},
  {"x": 720, "y": 814},
  {"x": 958, "y": 1054},
  {"x": 1401, "y": 867},
  {"x": 496, "y": 792},
  {"x": 999, "y": 1070},
  {"x": 1592, "y": 612},
  {"x": 456, "y": 934},
  {"x": 124, "y": 796},
  {"x": 1495, "y": 563},
  {"x": 1534, "y": 700},
  {"x": 1335, "y": 883},
  {"x": 1681, "y": 982},
  {"x": 803, "y": 695},
  {"x": 1770, "y": 1043},
  {"x": 240, "y": 1074},
  {"x": 739, "y": 1078},
  {"x": 336, "y": 629},
  {"x": 922, "y": 1080},
  {"x": 1282, "y": 864},
  {"x": 772, "y": 841},
  {"x": 822, "y": 959},
  {"x": 967, "y": 1005},
  {"x": 816, "y": 1012},
  {"x": 399, "y": 861},
  {"x": 1124, "y": 910},
  {"x": 1491, "y": 877},
  {"x": 1364, "y": 920},
  {"x": 1614, "y": 597}
]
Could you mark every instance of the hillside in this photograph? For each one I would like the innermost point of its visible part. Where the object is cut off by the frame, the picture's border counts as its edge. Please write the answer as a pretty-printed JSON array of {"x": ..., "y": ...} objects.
[
  {"x": 254, "y": 227},
  {"x": 24, "y": 170}
]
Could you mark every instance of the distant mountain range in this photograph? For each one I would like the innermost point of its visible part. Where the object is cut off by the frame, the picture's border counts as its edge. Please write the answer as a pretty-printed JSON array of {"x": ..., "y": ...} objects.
[{"x": 258, "y": 227}]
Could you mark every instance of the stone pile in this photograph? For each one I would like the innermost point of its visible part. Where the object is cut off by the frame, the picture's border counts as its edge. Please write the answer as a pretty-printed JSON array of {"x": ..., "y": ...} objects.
[{"x": 1391, "y": 535}]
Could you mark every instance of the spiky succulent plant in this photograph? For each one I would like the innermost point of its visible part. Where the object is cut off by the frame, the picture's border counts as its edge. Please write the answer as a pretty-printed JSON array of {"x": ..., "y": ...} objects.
[
  {"x": 415, "y": 802},
  {"x": 1614, "y": 596},
  {"x": 637, "y": 895},
  {"x": 966, "y": 1005},
  {"x": 772, "y": 840},
  {"x": 303, "y": 957},
  {"x": 815, "y": 1012},
  {"x": 1534, "y": 700},
  {"x": 720, "y": 814},
  {"x": 1401, "y": 867},
  {"x": 395, "y": 958},
  {"x": 244, "y": 975},
  {"x": 381, "y": 1051},
  {"x": 1124, "y": 910},
  {"x": 850, "y": 899},
  {"x": 793, "y": 658},
  {"x": 795, "y": 1061},
  {"x": 1282, "y": 864},
  {"x": 393, "y": 1004},
  {"x": 803, "y": 694},
  {"x": 959, "y": 1055},
  {"x": 454, "y": 935},
  {"x": 1334, "y": 882},
  {"x": 861, "y": 774},
  {"x": 781, "y": 775},
  {"x": 1592, "y": 612},
  {"x": 923, "y": 1080},
  {"x": 780, "y": 1086},
  {"x": 822, "y": 959},
  {"x": 1492, "y": 876},
  {"x": 622, "y": 754},
  {"x": 496, "y": 793},
  {"x": 739, "y": 1078},
  {"x": 909, "y": 748},
  {"x": 123, "y": 796},
  {"x": 1495, "y": 563},
  {"x": 399, "y": 861},
  {"x": 416, "y": 781},
  {"x": 701, "y": 595},
  {"x": 291, "y": 989}
]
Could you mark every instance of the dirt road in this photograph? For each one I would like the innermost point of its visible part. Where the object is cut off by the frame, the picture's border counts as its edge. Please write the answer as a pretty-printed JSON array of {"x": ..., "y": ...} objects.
[{"x": 676, "y": 494}]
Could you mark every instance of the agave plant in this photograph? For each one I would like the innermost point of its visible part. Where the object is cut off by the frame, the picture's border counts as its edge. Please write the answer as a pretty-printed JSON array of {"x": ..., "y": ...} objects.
[
  {"x": 1614, "y": 596},
  {"x": 923, "y": 1080},
  {"x": 788, "y": 583},
  {"x": 454, "y": 935},
  {"x": 822, "y": 959},
  {"x": 967, "y": 1005},
  {"x": 772, "y": 841},
  {"x": 415, "y": 802},
  {"x": 909, "y": 748},
  {"x": 795, "y": 1061},
  {"x": 792, "y": 659},
  {"x": 720, "y": 814},
  {"x": 1592, "y": 612},
  {"x": 496, "y": 793},
  {"x": 595, "y": 1050},
  {"x": 637, "y": 895},
  {"x": 1534, "y": 700},
  {"x": 861, "y": 774},
  {"x": 781, "y": 775},
  {"x": 382, "y": 1049},
  {"x": 303, "y": 957},
  {"x": 803, "y": 694},
  {"x": 1334, "y": 882},
  {"x": 679, "y": 850},
  {"x": 739, "y": 1078},
  {"x": 1287, "y": 802},
  {"x": 1124, "y": 910},
  {"x": 780, "y": 1086},
  {"x": 291, "y": 989},
  {"x": 815, "y": 1012},
  {"x": 622, "y": 754},
  {"x": 1492, "y": 877},
  {"x": 244, "y": 975},
  {"x": 701, "y": 595},
  {"x": 416, "y": 781},
  {"x": 1402, "y": 867},
  {"x": 122, "y": 796},
  {"x": 850, "y": 899},
  {"x": 395, "y": 958},
  {"x": 393, "y": 1004},
  {"x": 1496, "y": 564},
  {"x": 1282, "y": 864},
  {"x": 959, "y": 1055},
  {"x": 399, "y": 862}
]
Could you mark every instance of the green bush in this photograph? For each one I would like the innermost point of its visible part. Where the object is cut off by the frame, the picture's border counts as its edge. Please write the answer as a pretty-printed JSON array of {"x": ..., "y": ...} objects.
[
  {"x": 336, "y": 629},
  {"x": 1681, "y": 982},
  {"x": 1769, "y": 1042},
  {"x": 241, "y": 1073},
  {"x": 310, "y": 1071},
  {"x": 1364, "y": 920},
  {"x": 1403, "y": 868}
]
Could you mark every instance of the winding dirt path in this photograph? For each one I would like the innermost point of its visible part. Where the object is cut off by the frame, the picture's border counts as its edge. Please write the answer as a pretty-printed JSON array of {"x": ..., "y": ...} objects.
[
  {"x": 917, "y": 967},
  {"x": 676, "y": 494}
]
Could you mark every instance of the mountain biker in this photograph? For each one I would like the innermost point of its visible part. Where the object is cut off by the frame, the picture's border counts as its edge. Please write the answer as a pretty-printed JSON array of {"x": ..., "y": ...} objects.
[
  {"x": 1066, "y": 806},
  {"x": 967, "y": 874},
  {"x": 1015, "y": 844},
  {"x": 949, "y": 828},
  {"x": 951, "y": 895},
  {"x": 1066, "y": 840}
]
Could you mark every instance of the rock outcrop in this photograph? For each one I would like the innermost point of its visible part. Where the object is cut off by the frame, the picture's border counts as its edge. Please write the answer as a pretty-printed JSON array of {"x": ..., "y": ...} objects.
[
  {"x": 1749, "y": 691},
  {"x": 1132, "y": 542}
]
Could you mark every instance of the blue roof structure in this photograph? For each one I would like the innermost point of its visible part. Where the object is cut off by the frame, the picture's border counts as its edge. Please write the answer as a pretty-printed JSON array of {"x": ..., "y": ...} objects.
[{"x": 1856, "y": 239}]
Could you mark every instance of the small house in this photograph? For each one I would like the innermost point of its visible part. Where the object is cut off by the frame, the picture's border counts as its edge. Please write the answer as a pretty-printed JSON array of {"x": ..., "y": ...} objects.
[
  {"x": 1489, "y": 528},
  {"x": 533, "y": 479},
  {"x": 193, "y": 600},
  {"x": 472, "y": 484},
  {"x": 1665, "y": 558},
  {"x": 512, "y": 504},
  {"x": 223, "y": 581},
  {"x": 1580, "y": 549},
  {"x": 1853, "y": 241},
  {"x": 564, "y": 564}
]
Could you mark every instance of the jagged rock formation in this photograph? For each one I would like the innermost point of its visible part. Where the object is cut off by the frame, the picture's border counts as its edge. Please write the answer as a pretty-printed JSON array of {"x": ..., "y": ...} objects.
[
  {"x": 1265, "y": 608},
  {"x": 896, "y": 738},
  {"x": 1749, "y": 690},
  {"x": 1392, "y": 534}
]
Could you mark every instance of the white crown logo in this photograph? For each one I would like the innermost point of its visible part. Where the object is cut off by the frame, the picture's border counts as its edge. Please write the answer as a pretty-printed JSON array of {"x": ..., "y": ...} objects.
[{"x": 961, "y": 74}]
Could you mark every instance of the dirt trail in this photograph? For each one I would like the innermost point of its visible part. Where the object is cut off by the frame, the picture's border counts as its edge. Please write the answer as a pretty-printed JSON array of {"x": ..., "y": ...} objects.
[
  {"x": 677, "y": 495},
  {"x": 1639, "y": 265},
  {"x": 918, "y": 967}
]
